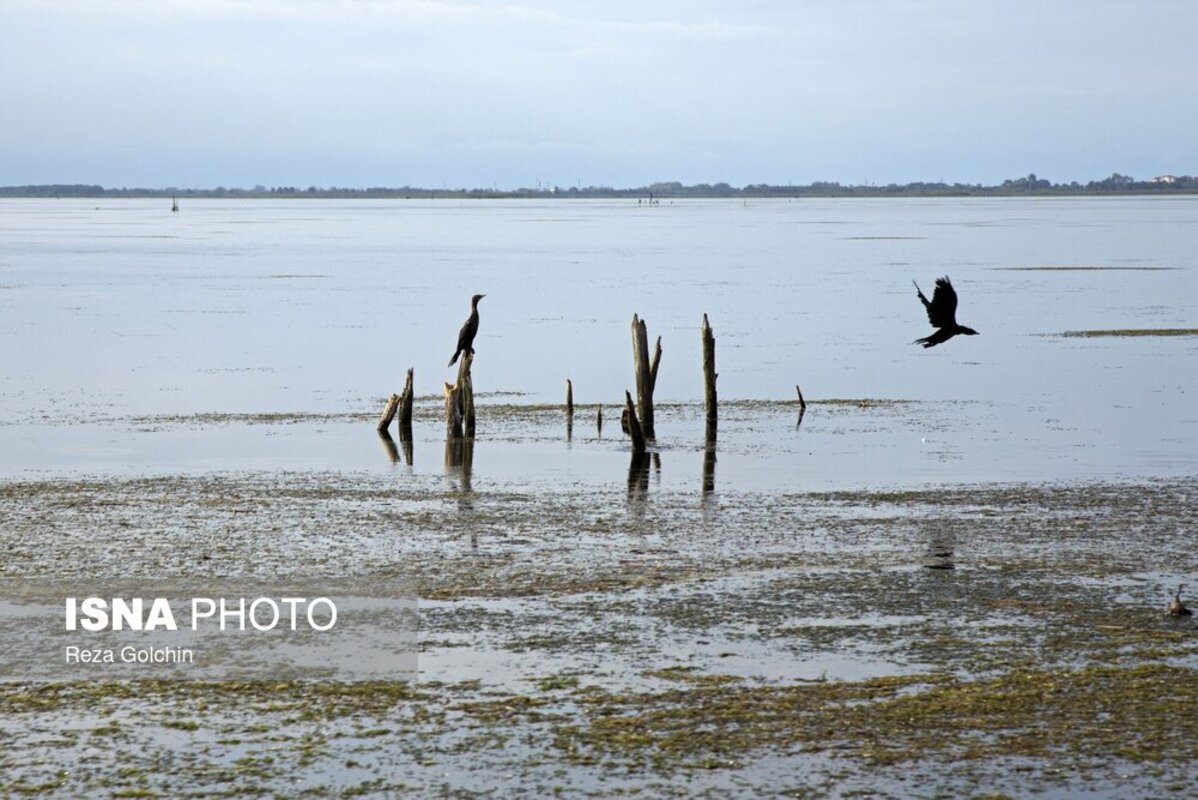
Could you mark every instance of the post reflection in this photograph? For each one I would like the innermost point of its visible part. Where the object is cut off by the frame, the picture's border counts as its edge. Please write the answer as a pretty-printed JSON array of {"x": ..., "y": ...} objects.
[
  {"x": 638, "y": 476},
  {"x": 389, "y": 446},
  {"x": 709, "y": 469},
  {"x": 405, "y": 440},
  {"x": 459, "y": 461}
]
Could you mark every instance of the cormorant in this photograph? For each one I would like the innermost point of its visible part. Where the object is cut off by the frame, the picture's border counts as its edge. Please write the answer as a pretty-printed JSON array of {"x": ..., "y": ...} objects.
[
  {"x": 942, "y": 313},
  {"x": 468, "y": 332}
]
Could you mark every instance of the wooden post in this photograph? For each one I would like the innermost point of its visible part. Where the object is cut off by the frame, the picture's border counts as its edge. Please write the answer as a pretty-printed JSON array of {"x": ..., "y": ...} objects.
[
  {"x": 802, "y": 402},
  {"x": 709, "y": 376},
  {"x": 463, "y": 401},
  {"x": 467, "y": 393},
  {"x": 653, "y": 368},
  {"x": 388, "y": 414},
  {"x": 646, "y": 375},
  {"x": 600, "y": 420},
  {"x": 634, "y": 427},
  {"x": 569, "y": 398},
  {"x": 405, "y": 402}
]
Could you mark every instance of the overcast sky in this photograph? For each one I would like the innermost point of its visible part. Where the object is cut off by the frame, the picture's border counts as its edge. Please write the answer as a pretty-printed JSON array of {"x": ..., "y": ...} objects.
[{"x": 199, "y": 93}]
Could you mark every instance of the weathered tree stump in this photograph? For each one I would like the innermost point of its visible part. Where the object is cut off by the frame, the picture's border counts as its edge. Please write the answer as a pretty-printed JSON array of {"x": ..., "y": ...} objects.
[
  {"x": 634, "y": 427},
  {"x": 388, "y": 414},
  {"x": 709, "y": 377},
  {"x": 405, "y": 402},
  {"x": 459, "y": 402},
  {"x": 646, "y": 374},
  {"x": 466, "y": 384}
]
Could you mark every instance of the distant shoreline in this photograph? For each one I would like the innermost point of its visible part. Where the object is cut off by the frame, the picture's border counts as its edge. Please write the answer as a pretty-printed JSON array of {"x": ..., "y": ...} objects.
[{"x": 1116, "y": 185}]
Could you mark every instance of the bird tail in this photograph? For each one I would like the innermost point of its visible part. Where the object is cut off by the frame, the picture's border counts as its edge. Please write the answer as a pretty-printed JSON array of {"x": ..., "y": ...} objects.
[
  {"x": 454, "y": 360},
  {"x": 941, "y": 336}
]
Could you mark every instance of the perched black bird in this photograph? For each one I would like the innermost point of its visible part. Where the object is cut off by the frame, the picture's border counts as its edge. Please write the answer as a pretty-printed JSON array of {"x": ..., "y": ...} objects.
[
  {"x": 942, "y": 313},
  {"x": 468, "y": 332}
]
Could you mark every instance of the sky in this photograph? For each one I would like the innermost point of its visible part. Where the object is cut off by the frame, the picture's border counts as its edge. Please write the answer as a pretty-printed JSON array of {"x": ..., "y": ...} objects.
[{"x": 478, "y": 94}]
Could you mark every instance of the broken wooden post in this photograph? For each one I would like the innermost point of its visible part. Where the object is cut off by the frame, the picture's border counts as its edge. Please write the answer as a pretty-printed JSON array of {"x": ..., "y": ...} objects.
[
  {"x": 466, "y": 389},
  {"x": 388, "y": 414},
  {"x": 802, "y": 407},
  {"x": 405, "y": 402},
  {"x": 634, "y": 427},
  {"x": 646, "y": 374},
  {"x": 569, "y": 398},
  {"x": 709, "y": 376}
]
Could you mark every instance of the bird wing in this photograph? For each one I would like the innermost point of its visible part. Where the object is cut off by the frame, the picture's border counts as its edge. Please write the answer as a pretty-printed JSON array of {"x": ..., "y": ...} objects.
[
  {"x": 466, "y": 335},
  {"x": 942, "y": 311}
]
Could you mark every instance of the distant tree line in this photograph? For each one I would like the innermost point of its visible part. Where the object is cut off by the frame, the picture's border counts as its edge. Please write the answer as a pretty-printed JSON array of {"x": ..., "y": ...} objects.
[{"x": 1030, "y": 185}]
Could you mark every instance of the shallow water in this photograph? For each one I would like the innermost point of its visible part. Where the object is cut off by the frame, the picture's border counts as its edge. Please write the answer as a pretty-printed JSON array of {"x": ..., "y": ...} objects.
[{"x": 120, "y": 309}]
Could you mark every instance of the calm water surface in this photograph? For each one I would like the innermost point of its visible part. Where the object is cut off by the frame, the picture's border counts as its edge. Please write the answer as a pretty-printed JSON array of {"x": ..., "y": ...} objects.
[{"x": 116, "y": 309}]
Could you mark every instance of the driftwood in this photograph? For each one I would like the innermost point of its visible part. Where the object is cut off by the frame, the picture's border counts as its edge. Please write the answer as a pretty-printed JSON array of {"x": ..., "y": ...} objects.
[
  {"x": 709, "y": 376},
  {"x": 646, "y": 374},
  {"x": 802, "y": 407},
  {"x": 634, "y": 427},
  {"x": 388, "y": 414},
  {"x": 405, "y": 403}
]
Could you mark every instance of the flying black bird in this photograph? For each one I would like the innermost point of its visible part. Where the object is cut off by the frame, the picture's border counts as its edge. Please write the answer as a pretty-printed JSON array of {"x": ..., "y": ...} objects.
[
  {"x": 468, "y": 332},
  {"x": 942, "y": 313}
]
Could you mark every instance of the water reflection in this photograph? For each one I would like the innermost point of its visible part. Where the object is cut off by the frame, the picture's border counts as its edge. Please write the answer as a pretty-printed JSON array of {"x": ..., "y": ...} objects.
[
  {"x": 638, "y": 476},
  {"x": 389, "y": 446},
  {"x": 459, "y": 461},
  {"x": 709, "y": 468},
  {"x": 941, "y": 546},
  {"x": 405, "y": 439}
]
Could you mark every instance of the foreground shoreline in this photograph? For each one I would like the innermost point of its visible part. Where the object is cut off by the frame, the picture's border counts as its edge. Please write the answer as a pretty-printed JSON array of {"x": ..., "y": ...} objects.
[{"x": 956, "y": 640}]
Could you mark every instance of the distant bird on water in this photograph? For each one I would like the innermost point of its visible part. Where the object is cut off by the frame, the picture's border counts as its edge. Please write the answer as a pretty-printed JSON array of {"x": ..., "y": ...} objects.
[
  {"x": 942, "y": 313},
  {"x": 1177, "y": 608},
  {"x": 468, "y": 332}
]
